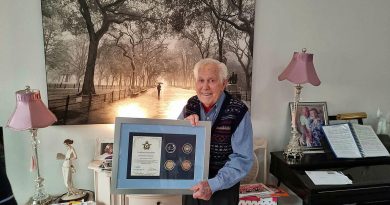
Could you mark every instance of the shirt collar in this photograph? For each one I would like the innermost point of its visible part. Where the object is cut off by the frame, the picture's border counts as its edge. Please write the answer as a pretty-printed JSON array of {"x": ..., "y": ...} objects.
[{"x": 218, "y": 104}]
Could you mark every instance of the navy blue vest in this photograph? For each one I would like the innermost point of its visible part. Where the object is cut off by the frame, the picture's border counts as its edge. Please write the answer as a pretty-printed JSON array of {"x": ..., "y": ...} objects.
[{"x": 229, "y": 117}]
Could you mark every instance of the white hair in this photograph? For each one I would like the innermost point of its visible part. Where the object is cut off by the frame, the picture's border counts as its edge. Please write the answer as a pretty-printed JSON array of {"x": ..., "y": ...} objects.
[{"x": 222, "y": 69}]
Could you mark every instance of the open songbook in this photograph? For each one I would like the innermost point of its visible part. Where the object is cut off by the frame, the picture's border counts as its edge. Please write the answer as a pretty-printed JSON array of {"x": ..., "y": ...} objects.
[{"x": 354, "y": 141}]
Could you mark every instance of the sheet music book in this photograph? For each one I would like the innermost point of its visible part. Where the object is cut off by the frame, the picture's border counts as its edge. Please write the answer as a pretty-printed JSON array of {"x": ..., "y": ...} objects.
[
  {"x": 328, "y": 177},
  {"x": 354, "y": 141}
]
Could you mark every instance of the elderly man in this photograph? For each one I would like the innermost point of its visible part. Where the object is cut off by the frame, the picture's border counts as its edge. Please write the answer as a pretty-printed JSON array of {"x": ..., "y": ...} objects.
[{"x": 231, "y": 135}]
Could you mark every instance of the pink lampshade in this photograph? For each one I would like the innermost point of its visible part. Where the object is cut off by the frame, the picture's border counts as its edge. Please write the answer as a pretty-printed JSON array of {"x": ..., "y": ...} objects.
[
  {"x": 301, "y": 70},
  {"x": 30, "y": 111}
]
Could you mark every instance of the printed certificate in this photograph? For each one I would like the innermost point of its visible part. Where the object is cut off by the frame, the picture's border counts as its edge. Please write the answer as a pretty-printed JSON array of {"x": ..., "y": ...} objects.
[{"x": 146, "y": 156}]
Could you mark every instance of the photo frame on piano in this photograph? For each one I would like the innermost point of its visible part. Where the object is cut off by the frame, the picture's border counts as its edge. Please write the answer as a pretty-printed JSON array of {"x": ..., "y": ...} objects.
[{"x": 310, "y": 118}]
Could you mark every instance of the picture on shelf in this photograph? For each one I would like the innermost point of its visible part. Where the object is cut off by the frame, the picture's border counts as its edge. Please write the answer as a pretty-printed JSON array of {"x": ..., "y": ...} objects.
[
  {"x": 310, "y": 117},
  {"x": 104, "y": 148}
]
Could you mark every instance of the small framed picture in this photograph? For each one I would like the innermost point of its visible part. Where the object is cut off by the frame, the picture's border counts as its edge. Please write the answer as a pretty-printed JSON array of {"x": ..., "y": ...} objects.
[
  {"x": 104, "y": 147},
  {"x": 310, "y": 117}
]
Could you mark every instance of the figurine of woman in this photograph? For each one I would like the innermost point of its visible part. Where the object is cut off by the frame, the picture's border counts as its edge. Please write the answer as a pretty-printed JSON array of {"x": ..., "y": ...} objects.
[{"x": 68, "y": 169}]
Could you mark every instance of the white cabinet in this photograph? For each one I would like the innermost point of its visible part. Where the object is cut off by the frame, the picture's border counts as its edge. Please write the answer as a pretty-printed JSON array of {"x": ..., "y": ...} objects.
[{"x": 103, "y": 196}]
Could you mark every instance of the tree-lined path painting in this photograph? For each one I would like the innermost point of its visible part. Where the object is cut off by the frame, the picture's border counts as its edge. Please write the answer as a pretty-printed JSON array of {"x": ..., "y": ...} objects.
[
  {"x": 105, "y": 58},
  {"x": 168, "y": 107}
]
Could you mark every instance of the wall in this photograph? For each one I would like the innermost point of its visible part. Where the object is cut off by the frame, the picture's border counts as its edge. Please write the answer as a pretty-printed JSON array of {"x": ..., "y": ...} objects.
[
  {"x": 22, "y": 63},
  {"x": 351, "y": 46},
  {"x": 349, "y": 39}
]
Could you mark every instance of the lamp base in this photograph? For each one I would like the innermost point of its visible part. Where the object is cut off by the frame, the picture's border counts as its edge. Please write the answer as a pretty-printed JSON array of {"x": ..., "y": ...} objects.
[
  {"x": 42, "y": 201},
  {"x": 293, "y": 149},
  {"x": 40, "y": 197},
  {"x": 293, "y": 152}
]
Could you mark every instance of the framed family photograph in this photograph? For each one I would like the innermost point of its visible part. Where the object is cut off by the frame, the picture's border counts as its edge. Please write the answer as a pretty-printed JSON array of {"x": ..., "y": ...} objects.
[
  {"x": 104, "y": 150},
  {"x": 104, "y": 146},
  {"x": 310, "y": 117},
  {"x": 154, "y": 156}
]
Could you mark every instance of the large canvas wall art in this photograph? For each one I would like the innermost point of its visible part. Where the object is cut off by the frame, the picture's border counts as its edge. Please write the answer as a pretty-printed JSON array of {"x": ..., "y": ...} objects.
[{"x": 109, "y": 58}]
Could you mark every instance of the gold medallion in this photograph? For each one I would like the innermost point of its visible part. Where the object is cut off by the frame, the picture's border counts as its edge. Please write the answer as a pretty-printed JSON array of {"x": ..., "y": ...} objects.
[
  {"x": 169, "y": 165},
  {"x": 186, "y": 165}
]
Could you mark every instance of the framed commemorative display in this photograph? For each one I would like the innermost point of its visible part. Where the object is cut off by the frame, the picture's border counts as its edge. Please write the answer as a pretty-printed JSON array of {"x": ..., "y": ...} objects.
[{"x": 156, "y": 156}]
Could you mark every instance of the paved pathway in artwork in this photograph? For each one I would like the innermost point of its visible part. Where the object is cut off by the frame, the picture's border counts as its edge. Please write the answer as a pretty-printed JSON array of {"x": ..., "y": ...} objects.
[{"x": 146, "y": 105}]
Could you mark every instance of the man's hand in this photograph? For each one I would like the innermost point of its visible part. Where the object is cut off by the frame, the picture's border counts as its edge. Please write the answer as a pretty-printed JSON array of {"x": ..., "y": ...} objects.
[
  {"x": 194, "y": 119},
  {"x": 202, "y": 190}
]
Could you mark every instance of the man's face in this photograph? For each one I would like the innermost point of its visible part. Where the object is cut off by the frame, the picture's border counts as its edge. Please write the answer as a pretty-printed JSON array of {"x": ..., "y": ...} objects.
[
  {"x": 305, "y": 112},
  {"x": 209, "y": 86}
]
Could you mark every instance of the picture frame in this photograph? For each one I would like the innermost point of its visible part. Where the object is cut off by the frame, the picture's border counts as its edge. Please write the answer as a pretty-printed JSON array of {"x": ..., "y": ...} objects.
[
  {"x": 159, "y": 156},
  {"x": 310, "y": 118},
  {"x": 97, "y": 95},
  {"x": 102, "y": 145}
]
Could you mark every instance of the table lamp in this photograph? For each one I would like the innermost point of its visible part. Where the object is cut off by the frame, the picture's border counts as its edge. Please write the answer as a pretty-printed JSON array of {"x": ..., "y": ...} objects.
[
  {"x": 30, "y": 114},
  {"x": 299, "y": 71}
]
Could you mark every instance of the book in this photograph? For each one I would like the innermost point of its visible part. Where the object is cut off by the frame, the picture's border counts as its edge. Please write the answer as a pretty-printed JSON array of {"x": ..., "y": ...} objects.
[
  {"x": 354, "y": 141},
  {"x": 260, "y": 190},
  {"x": 253, "y": 200},
  {"x": 277, "y": 191},
  {"x": 328, "y": 177}
]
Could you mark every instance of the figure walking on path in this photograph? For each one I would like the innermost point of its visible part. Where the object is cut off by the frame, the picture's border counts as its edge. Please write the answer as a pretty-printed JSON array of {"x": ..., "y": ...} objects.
[
  {"x": 159, "y": 90},
  {"x": 233, "y": 78}
]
